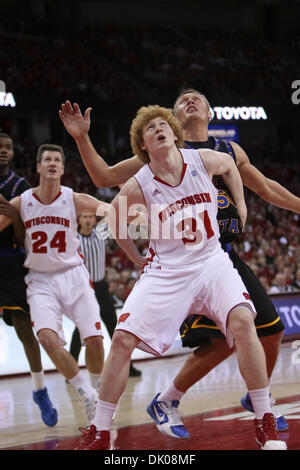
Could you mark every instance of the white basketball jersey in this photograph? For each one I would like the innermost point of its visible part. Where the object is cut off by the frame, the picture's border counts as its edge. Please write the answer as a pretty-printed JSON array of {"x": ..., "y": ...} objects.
[
  {"x": 183, "y": 227},
  {"x": 51, "y": 242}
]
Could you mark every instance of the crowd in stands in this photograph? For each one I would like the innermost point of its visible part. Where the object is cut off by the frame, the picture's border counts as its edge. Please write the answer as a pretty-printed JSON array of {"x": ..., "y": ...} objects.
[{"x": 113, "y": 62}]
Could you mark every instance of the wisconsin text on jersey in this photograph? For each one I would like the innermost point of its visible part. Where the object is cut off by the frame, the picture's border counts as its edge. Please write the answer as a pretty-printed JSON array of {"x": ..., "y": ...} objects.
[
  {"x": 182, "y": 203},
  {"x": 49, "y": 219}
]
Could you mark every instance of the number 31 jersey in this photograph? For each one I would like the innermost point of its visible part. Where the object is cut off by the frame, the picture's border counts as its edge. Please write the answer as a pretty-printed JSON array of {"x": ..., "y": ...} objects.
[
  {"x": 182, "y": 219},
  {"x": 51, "y": 242}
]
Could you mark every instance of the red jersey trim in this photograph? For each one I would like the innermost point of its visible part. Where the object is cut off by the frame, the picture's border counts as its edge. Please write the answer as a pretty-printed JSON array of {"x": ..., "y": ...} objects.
[
  {"x": 38, "y": 199},
  {"x": 154, "y": 352},
  {"x": 157, "y": 178},
  {"x": 149, "y": 259}
]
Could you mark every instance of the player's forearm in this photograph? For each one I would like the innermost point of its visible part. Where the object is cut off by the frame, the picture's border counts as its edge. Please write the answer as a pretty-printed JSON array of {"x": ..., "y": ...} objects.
[
  {"x": 275, "y": 194},
  {"x": 129, "y": 247},
  {"x": 96, "y": 167},
  {"x": 119, "y": 229},
  {"x": 19, "y": 230},
  {"x": 234, "y": 184}
]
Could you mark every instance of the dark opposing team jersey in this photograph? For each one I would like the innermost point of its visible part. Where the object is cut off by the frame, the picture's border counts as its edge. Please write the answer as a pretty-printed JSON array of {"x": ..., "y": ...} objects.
[
  {"x": 230, "y": 224},
  {"x": 11, "y": 185}
]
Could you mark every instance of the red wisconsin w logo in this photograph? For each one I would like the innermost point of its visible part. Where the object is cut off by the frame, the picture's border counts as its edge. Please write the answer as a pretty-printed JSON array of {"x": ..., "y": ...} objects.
[
  {"x": 98, "y": 325},
  {"x": 247, "y": 296},
  {"x": 123, "y": 317}
]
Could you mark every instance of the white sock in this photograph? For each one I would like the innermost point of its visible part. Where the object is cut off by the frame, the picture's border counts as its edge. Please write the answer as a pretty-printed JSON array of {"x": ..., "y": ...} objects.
[
  {"x": 82, "y": 385},
  {"x": 95, "y": 380},
  {"x": 37, "y": 380},
  {"x": 260, "y": 401},
  {"x": 172, "y": 393},
  {"x": 104, "y": 415}
]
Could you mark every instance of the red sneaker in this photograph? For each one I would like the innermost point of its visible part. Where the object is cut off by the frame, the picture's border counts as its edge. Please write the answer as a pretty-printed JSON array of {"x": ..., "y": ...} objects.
[
  {"x": 93, "y": 439},
  {"x": 267, "y": 436}
]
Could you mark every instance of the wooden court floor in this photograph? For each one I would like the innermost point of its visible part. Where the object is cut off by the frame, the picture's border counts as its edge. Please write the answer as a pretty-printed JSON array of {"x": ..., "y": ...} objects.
[{"x": 211, "y": 409}]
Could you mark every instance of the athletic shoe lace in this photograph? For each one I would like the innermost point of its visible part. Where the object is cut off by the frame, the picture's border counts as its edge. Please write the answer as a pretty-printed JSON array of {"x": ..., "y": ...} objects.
[
  {"x": 172, "y": 413},
  {"x": 88, "y": 435},
  {"x": 270, "y": 427}
]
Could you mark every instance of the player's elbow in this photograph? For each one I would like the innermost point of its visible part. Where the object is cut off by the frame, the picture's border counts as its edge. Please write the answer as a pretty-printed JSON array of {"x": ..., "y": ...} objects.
[
  {"x": 100, "y": 181},
  {"x": 107, "y": 178}
]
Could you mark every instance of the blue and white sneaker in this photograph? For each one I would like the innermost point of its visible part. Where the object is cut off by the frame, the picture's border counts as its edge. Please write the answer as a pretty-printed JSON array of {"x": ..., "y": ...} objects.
[
  {"x": 282, "y": 424},
  {"x": 167, "y": 418},
  {"x": 48, "y": 413}
]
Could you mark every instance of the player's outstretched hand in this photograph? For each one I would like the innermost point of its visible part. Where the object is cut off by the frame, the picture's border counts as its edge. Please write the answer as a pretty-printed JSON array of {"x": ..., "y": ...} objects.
[{"x": 75, "y": 123}]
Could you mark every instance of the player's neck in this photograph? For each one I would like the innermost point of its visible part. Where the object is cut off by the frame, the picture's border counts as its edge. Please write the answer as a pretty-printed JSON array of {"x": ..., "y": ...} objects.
[
  {"x": 4, "y": 170},
  {"x": 47, "y": 191},
  {"x": 196, "y": 132},
  {"x": 168, "y": 167}
]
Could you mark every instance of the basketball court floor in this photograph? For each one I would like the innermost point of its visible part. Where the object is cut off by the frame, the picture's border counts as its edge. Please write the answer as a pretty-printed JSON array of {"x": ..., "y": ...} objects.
[{"x": 211, "y": 409}]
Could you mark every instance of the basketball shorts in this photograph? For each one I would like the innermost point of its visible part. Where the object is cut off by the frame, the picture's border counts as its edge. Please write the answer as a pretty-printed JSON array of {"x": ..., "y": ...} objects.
[
  {"x": 198, "y": 329},
  {"x": 12, "y": 287},
  {"x": 161, "y": 299},
  {"x": 70, "y": 292}
]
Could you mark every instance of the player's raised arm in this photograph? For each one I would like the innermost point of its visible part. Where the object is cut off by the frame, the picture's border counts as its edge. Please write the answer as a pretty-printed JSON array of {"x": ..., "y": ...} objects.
[
  {"x": 102, "y": 175},
  {"x": 266, "y": 188},
  {"x": 84, "y": 202}
]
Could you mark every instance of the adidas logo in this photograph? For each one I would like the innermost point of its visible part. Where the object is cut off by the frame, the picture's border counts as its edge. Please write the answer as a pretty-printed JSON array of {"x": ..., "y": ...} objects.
[{"x": 156, "y": 191}]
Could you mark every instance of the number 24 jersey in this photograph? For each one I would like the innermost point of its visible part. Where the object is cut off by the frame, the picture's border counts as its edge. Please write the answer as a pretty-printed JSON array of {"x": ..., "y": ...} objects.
[{"x": 51, "y": 242}]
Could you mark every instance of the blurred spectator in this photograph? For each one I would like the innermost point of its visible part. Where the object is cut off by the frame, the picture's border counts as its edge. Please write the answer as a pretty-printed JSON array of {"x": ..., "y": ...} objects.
[
  {"x": 279, "y": 284},
  {"x": 129, "y": 286},
  {"x": 296, "y": 283},
  {"x": 117, "y": 291},
  {"x": 265, "y": 282}
]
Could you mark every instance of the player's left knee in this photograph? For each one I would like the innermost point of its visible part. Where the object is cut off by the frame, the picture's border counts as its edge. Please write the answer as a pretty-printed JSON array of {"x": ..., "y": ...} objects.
[
  {"x": 123, "y": 342},
  {"x": 241, "y": 323},
  {"x": 94, "y": 342}
]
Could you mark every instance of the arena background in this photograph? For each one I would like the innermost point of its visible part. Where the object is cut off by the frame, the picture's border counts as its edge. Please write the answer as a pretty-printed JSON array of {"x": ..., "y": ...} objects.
[{"x": 118, "y": 55}]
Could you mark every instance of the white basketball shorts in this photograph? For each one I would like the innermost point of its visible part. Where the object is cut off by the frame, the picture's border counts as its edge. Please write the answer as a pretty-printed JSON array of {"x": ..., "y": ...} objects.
[
  {"x": 69, "y": 292},
  {"x": 162, "y": 299}
]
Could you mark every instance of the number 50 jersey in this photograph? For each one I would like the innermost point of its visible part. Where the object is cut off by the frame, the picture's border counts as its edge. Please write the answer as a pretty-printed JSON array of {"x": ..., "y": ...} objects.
[
  {"x": 183, "y": 228},
  {"x": 51, "y": 242}
]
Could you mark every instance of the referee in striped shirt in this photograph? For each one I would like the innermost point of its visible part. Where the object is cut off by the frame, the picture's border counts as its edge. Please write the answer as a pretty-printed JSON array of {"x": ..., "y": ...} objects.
[{"x": 92, "y": 244}]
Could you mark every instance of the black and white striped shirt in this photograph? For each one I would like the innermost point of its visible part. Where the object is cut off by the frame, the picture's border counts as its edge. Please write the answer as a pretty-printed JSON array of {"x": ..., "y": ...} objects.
[{"x": 93, "y": 249}]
